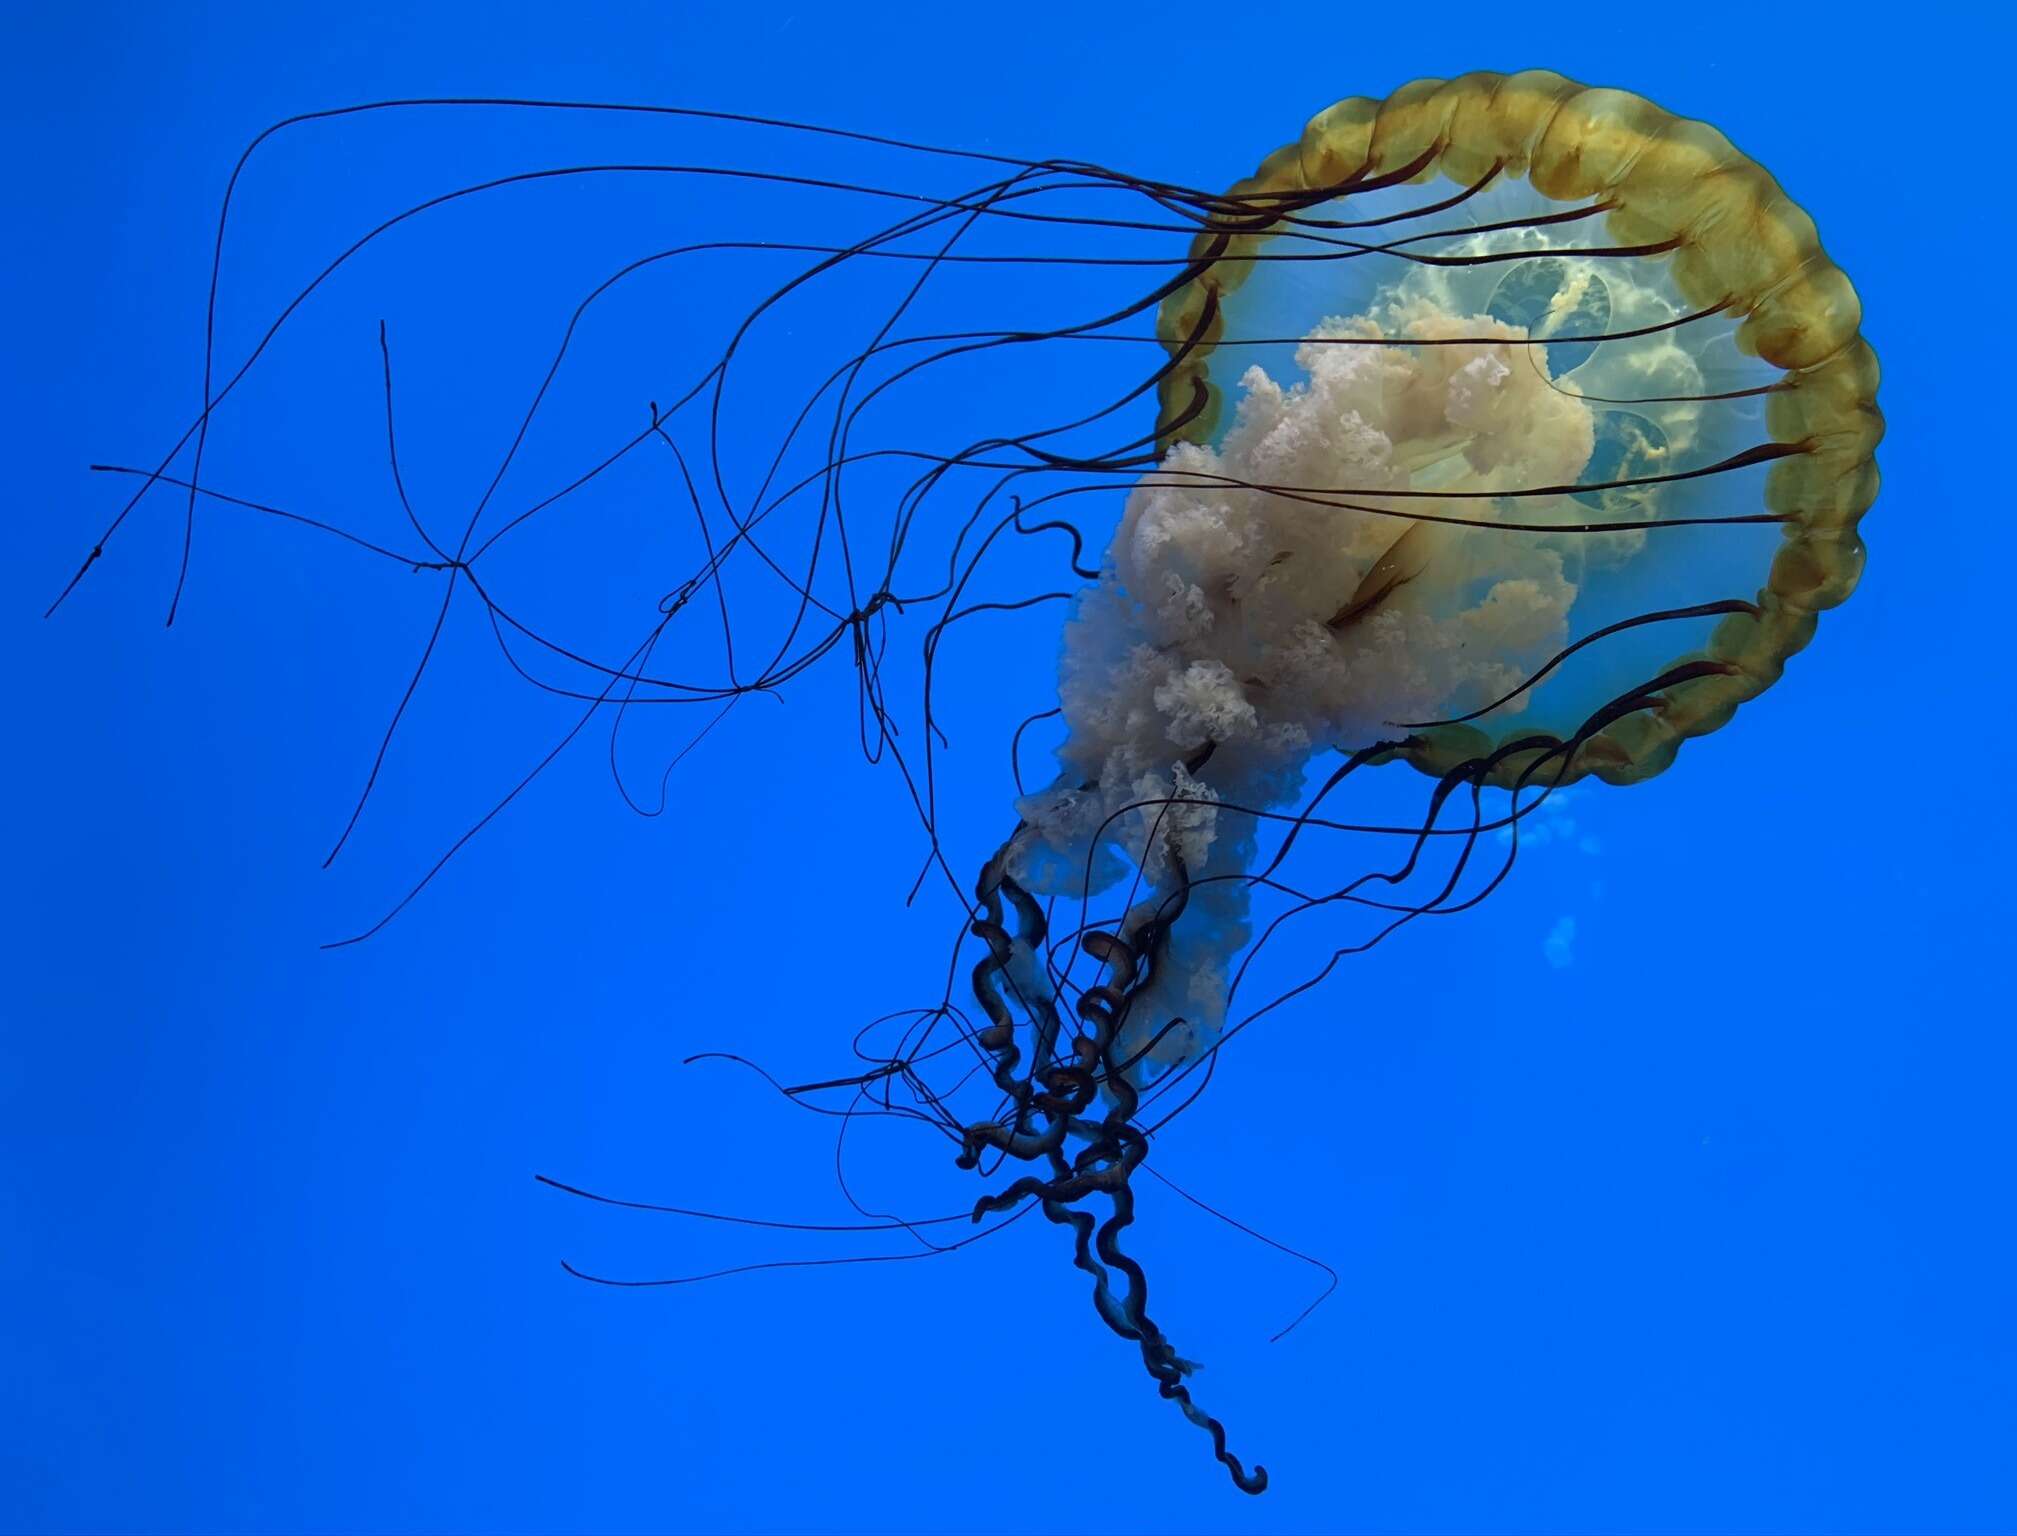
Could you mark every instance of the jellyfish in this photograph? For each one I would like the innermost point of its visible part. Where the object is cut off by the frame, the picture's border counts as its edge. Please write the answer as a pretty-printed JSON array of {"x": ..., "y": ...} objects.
[
  {"x": 1503, "y": 431},
  {"x": 1555, "y": 492}
]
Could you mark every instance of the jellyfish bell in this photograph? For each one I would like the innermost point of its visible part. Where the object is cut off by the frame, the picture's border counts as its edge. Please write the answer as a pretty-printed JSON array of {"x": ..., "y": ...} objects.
[{"x": 1725, "y": 374}]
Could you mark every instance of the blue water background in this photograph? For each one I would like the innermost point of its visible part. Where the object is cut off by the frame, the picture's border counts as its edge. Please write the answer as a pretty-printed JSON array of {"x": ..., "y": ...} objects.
[{"x": 1669, "y": 1191}]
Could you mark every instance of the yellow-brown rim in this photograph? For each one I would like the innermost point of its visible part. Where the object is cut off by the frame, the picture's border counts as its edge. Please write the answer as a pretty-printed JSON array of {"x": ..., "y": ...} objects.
[{"x": 1738, "y": 243}]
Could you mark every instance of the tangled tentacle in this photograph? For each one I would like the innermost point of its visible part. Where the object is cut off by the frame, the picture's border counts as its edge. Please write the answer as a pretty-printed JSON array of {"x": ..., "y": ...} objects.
[{"x": 1048, "y": 1099}]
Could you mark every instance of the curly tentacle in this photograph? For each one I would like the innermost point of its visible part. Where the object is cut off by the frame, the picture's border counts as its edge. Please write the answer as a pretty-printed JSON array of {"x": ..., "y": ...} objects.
[{"x": 1054, "y": 1094}]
